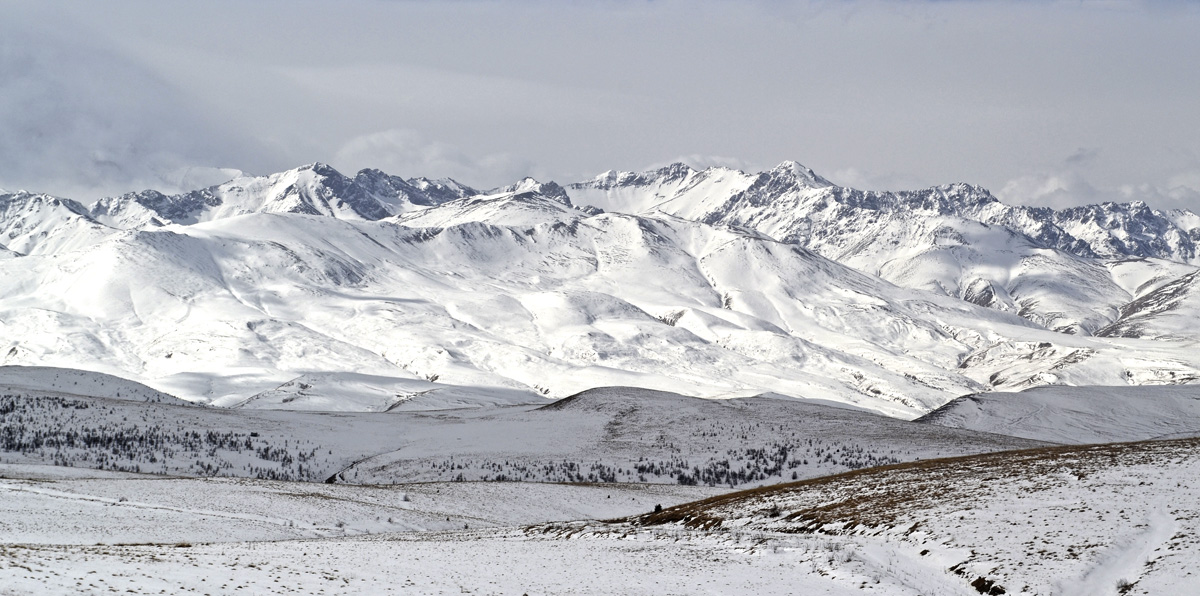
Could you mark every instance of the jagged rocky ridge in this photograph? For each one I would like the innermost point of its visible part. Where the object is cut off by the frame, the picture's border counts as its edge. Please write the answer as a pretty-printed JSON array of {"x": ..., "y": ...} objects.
[{"x": 316, "y": 189}]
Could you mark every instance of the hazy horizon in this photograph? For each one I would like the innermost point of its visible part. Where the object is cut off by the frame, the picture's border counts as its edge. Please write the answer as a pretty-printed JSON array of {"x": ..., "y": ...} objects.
[{"x": 1043, "y": 103}]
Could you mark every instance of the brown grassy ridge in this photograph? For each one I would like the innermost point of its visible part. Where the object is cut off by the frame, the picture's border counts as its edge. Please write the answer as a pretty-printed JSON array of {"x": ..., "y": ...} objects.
[{"x": 876, "y": 497}]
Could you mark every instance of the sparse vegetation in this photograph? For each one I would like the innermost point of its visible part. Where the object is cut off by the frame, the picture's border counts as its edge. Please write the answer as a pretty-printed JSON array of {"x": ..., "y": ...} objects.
[
  {"x": 774, "y": 461},
  {"x": 70, "y": 431},
  {"x": 877, "y": 497}
]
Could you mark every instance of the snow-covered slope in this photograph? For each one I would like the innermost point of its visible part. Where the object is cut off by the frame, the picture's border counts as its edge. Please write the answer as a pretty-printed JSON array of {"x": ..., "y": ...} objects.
[
  {"x": 621, "y": 434},
  {"x": 80, "y": 382},
  {"x": 1140, "y": 276},
  {"x": 355, "y": 392},
  {"x": 1068, "y": 360},
  {"x": 1077, "y": 414},
  {"x": 236, "y": 306},
  {"x": 1170, "y": 311}
]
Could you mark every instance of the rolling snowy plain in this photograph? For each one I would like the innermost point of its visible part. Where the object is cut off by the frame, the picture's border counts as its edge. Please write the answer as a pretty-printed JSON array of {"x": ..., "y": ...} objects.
[
  {"x": 1112, "y": 519},
  {"x": 764, "y": 383}
]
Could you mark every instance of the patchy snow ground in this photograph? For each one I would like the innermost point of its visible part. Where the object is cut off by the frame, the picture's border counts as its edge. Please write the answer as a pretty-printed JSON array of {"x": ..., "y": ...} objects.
[
  {"x": 1061, "y": 520},
  {"x": 1054, "y": 521},
  {"x": 621, "y": 434}
]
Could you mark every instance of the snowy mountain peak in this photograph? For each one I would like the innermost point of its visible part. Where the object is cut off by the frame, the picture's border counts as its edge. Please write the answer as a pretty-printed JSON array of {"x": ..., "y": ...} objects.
[
  {"x": 1133, "y": 230},
  {"x": 321, "y": 169},
  {"x": 550, "y": 190},
  {"x": 27, "y": 201},
  {"x": 524, "y": 204},
  {"x": 675, "y": 171},
  {"x": 40, "y": 223},
  {"x": 800, "y": 174},
  {"x": 441, "y": 190},
  {"x": 672, "y": 173},
  {"x": 397, "y": 194},
  {"x": 958, "y": 198}
]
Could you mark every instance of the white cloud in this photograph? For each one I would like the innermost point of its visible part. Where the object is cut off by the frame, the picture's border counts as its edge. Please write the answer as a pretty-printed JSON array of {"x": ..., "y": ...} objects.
[
  {"x": 1173, "y": 197},
  {"x": 700, "y": 162},
  {"x": 406, "y": 153},
  {"x": 1009, "y": 95},
  {"x": 867, "y": 180},
  {"x": 83, "y": 121},
  {"x": 1069, "y": 188},
  {"x": 1186, "y": 181},
  {"x": 1058, "y": 190}
]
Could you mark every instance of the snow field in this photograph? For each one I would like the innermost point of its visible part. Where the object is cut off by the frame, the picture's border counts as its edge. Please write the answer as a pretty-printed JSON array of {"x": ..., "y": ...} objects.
[
  {"x": 54, "y": 509},
  {"x": 1095, "y": 520}
]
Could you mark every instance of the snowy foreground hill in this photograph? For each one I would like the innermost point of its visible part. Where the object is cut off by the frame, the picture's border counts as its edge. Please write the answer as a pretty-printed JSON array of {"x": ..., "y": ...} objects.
[
  {"x": 841, "y": 501},
  {"x": 308, "y": 289},
  {"x": 874, "y": 504}
]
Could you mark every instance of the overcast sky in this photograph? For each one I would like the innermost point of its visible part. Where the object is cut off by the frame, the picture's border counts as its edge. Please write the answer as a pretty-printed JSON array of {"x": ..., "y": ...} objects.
[{"x": 1042, "y": 102}]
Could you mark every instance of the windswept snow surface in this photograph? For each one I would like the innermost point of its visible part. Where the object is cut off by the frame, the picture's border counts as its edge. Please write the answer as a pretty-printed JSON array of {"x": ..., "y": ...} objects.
[
  {"x": 46, "y": 505},
  {"x": 1077, "y": 414}
]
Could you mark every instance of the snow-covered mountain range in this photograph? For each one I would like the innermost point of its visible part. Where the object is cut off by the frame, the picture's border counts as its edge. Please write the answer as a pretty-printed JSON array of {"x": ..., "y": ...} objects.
[
  {"x": 312, "y": 289},
  {"x": 1049, "y": 266}
]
